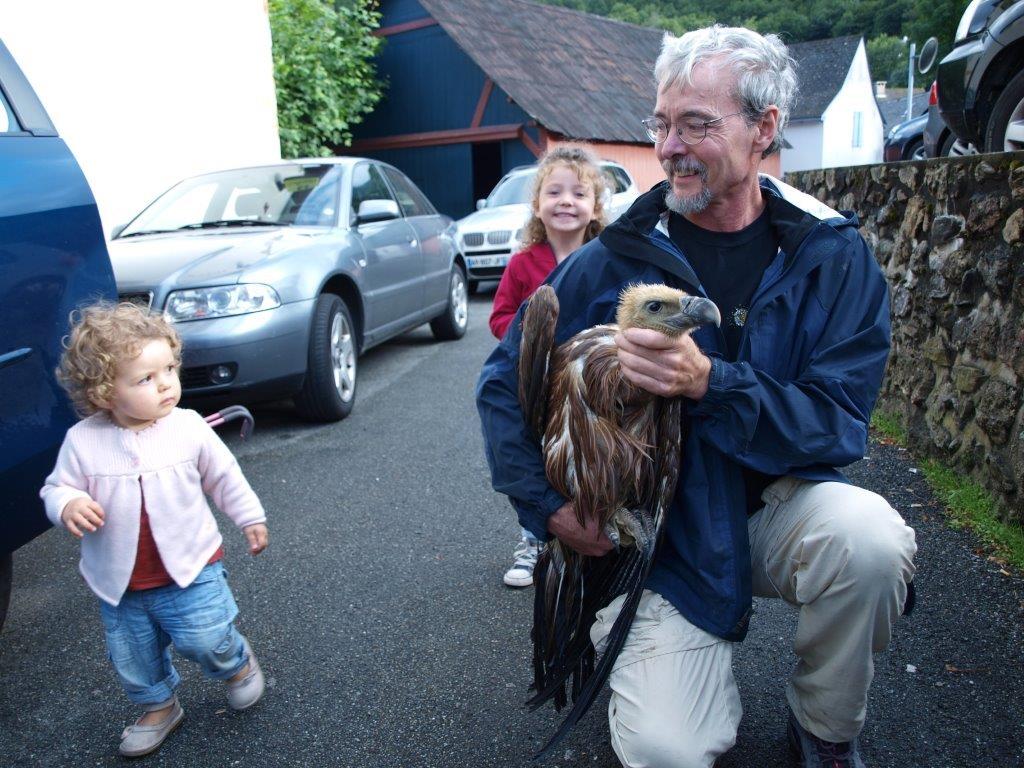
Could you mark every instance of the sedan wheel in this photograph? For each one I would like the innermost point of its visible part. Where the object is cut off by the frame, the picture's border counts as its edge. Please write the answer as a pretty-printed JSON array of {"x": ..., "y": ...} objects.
[
  {"x": 329, "y": 389},
  {"x": 1005, "y": 130},
  {"x": 451, "y": 324}
]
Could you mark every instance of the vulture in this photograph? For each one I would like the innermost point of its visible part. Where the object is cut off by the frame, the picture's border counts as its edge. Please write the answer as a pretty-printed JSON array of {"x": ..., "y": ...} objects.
[{"x": 613, "y": 449}]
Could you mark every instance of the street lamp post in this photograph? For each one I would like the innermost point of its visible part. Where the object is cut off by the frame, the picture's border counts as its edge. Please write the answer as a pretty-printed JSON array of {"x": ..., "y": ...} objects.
[{"x": 910, "y": 79}]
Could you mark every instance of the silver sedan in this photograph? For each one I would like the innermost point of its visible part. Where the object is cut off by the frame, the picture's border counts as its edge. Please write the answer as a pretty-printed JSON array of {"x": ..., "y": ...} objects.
[{"x": 278, "y": 277}]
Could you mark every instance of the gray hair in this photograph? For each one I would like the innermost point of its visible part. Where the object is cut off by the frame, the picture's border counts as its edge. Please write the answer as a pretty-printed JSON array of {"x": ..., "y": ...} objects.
[{"x": 765, "y": 72}]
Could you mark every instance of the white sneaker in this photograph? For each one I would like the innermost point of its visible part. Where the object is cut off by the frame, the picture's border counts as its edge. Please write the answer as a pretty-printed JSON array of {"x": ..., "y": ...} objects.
[{"x": 521, "y": 572}]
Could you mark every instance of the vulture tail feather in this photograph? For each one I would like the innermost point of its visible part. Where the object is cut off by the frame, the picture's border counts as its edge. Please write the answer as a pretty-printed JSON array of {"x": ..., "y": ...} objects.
[
  {"x": 615, "y": 641},
  {"x": 535, "y": 348}
]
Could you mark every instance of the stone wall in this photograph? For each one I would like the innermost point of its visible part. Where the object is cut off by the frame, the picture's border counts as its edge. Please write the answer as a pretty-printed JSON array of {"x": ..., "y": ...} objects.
[{"x": 948, "y": 234}]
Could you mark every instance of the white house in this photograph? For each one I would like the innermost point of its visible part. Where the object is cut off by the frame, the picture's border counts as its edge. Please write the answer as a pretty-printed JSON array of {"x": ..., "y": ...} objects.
[
  {"x": 147, "y": 92},
  {"x": 835, "y": 121}
]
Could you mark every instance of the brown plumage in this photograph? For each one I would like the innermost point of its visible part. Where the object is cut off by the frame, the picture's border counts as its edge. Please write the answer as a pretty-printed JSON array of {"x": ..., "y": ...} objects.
[{"x": 613, "y": 449}]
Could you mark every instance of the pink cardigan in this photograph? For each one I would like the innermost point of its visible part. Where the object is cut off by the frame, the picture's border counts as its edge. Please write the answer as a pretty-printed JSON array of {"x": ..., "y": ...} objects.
[{"x": 174, "y": 462}]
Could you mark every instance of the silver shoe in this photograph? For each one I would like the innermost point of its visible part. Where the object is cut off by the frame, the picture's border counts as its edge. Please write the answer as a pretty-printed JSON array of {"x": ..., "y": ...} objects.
[
  {"x": 138, "y": 740},
  {"x": 243, "y": 693}
]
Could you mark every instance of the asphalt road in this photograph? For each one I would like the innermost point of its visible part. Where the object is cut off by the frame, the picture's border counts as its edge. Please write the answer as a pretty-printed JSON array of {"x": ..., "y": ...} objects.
[{"x": 388, "y": 638}]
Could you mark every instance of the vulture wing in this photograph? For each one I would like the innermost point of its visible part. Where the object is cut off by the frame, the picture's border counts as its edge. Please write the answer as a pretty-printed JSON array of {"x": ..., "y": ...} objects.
[{"x": 614, "y": 450}]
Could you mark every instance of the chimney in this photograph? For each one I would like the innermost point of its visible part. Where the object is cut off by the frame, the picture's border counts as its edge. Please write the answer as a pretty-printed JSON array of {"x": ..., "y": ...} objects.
[{"x": 880, "y": 89}]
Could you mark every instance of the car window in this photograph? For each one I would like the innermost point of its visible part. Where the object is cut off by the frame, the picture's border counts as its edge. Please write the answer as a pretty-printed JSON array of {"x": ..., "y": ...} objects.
[
  {"x": 617, "y": 179},
  {"x": 412, "y": 201},
  {"x": 512, "y": 190},
  {"x": 192, "y": 205},
  {"x": 275, "y": 195},
  {"x": 317, "y": 208},
  {"x": 368, "y": 184}
]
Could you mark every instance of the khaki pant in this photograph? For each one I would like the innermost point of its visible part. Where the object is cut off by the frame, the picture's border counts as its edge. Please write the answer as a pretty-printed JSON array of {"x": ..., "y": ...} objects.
[{"x": 840, "y": 554}]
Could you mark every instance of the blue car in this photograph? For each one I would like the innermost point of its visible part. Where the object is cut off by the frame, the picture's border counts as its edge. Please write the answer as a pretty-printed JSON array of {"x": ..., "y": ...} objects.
[{"x": 53, "y": 258}]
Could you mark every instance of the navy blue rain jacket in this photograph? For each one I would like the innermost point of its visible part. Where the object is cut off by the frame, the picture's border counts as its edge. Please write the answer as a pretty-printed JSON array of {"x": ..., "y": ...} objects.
[{"x": 796, "y": 402}]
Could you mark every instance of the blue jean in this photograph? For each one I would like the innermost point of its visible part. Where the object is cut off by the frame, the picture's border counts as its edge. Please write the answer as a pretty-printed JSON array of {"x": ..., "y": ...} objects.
[{"x": 198, "y": 620}]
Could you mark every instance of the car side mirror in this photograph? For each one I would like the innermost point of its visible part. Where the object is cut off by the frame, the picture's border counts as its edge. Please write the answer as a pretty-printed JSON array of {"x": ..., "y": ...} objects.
[
  {"x": 116, "y": 231},
  {"x": 376, "y": 210},
  {"x": 481, "y": 204}
]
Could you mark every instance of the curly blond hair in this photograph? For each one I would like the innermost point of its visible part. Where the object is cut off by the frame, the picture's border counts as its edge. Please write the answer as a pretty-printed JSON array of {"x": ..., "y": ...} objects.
[
  {"x": 102, "y": 336},
  {"x": 581, "y": 162}
]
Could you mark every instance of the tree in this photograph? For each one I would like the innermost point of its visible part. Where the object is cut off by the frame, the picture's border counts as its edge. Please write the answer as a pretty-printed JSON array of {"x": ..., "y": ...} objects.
[
  {"x": 887, "y": 59},
  {"x": 323, "y": 68}
]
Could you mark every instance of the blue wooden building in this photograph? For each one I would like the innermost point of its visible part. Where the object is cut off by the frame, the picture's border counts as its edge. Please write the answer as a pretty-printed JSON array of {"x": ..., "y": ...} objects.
[{"x": 477, "y": 87}]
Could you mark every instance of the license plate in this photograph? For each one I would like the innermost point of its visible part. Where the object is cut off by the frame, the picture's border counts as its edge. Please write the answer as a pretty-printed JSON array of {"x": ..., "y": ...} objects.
[{"x": 487, "y": 261}]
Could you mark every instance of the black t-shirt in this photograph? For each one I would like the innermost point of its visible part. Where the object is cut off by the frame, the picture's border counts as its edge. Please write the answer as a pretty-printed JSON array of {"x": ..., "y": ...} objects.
[{"x": 730, "y": 266}]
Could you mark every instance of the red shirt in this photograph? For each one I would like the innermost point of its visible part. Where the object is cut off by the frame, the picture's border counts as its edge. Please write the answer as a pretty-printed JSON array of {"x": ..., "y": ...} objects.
[
  {"x": 149, "y": 571},
  {"x": 526, "y": 270}
]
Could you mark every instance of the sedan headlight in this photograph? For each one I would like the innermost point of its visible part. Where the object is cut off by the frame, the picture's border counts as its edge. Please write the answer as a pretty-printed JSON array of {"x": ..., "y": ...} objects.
[{"x": 220, "y": 301}]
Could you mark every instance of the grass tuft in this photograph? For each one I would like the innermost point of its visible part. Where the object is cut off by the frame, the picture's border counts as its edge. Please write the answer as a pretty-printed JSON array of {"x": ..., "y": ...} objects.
[{"x": 968, "y": 504}]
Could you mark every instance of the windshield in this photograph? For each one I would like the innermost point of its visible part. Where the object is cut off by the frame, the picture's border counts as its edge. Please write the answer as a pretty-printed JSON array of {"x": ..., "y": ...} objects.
[
  {"x": 512, "y": 190},
  {"x": 304, "y": 195}
]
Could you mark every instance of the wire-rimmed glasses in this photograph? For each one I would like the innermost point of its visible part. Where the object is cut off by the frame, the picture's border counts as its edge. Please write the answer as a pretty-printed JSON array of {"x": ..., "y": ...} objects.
[{"x": 690, "y": 130}]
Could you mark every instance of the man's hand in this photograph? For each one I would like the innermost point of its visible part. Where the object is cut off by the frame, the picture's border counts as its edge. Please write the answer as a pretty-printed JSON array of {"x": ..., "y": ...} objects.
[
  {"x": 257, "y": 536},
  {"x": 663, "y": 365},
  {"x": 589, "y": 540},
  {"x": 82, "y": 515}
]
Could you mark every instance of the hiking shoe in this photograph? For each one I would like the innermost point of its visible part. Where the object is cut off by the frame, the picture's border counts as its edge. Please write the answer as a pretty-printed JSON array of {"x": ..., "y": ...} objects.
[
  {"x": 812, "y": 752},
  {"x": 521, "y": 572},
  {"x": 138, "y": 740},
  {"x": 243, "y": 693}
]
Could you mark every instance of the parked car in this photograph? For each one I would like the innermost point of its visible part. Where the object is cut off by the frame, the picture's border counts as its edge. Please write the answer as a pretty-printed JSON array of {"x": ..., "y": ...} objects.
[
  {"x": 53, "y": 259},
  {"x": 905, "y": 141},
  {"x": 488, "y": 238},
  {"x": 938, "y": 139},
  {"x": 981, "y": 81},
  {"x": 278, "y": 277}
]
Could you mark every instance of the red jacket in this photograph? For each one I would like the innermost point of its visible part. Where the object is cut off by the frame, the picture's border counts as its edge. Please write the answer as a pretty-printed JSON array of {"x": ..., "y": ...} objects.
[{"x": 526, "y": 270}]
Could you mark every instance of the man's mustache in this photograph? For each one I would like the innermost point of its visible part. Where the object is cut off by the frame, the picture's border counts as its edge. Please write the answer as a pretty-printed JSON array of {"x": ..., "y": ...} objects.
[{"x": 685, "y": 165}]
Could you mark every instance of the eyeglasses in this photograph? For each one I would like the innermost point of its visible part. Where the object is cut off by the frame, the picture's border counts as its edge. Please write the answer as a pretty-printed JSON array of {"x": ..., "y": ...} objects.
[{"x": 690, "y": 131}]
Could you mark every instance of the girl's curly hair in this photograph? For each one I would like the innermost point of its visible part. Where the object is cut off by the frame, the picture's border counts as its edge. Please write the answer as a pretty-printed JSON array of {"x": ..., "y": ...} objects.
[
  {"x": 581, "y": 162},
  {"x": 103, "y": 335}
]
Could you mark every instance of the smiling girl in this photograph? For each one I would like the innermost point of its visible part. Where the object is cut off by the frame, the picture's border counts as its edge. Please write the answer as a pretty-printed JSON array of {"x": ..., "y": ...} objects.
[
  {"x": 567, "y": 211},
  {"x": 130, "y": 482}
]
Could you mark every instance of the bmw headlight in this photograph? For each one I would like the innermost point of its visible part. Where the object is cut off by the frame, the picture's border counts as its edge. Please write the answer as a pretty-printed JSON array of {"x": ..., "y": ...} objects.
[{"x": 220, "y": 301}]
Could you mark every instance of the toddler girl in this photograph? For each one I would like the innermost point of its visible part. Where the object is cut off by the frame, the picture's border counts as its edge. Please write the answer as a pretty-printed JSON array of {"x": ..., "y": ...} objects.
[
  {"x": 130, "y": 483},
  {"x": 566, "y": 212}
]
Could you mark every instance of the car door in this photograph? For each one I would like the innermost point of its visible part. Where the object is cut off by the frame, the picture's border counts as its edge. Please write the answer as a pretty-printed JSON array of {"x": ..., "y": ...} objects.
[
  {"x": 435, "y": 249},
  {"x": 53, "y": 259},
  {"x": 392, "y": 287}
]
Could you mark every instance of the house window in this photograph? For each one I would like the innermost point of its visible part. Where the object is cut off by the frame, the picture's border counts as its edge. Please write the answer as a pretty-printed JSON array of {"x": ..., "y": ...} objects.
[{"x": 856, "y": 128}]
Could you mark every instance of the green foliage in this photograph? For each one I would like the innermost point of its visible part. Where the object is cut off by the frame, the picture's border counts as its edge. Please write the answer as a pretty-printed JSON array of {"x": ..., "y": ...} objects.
[
  {"x": 934, "y": 17},
  {"x": 968, "y": 505},
  {"x": 887, "y": 58},
  {"x": 971, "y": 506},
  {"x": 890, "y": 426},
  {"x": 795, "y": 20},
  {"x": 324, "y": 72}
]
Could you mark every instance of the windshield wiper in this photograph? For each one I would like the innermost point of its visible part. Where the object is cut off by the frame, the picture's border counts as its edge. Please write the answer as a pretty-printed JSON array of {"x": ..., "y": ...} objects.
[
  {"x": 146, "y": 232},
  {"x": 230, "y": 223}
]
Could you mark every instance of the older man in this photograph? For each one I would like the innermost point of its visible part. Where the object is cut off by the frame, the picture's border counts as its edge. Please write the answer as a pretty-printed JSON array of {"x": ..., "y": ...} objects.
[{"x": 775, "y": 402}]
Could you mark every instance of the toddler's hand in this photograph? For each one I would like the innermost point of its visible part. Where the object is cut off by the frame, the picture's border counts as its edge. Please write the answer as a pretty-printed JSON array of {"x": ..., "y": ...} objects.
[
  {"x": 257, "y": 536},
  {"x": 81, "y": 516}
]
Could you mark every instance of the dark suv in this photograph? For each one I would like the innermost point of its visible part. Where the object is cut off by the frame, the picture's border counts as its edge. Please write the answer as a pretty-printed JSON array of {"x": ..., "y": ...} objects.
[
  {"x": 981, "y": 81},
  {"x": 53, "y": 258}
]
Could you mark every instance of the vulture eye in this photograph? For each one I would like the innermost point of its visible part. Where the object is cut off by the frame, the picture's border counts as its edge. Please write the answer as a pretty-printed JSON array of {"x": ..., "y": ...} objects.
[{"x": 654, "y": 306}]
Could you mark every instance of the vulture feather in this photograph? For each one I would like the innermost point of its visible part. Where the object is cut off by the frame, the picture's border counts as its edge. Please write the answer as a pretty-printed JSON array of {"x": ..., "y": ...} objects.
[{"x": 613, "y": 449}]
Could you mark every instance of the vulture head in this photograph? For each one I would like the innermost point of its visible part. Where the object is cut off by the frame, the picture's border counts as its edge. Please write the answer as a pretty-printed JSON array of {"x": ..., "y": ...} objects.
[{"x": 661, "y": 308}]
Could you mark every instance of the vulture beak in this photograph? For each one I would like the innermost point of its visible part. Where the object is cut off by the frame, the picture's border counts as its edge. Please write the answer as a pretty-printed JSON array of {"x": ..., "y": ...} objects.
[{"x": 695, "y": 311}]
